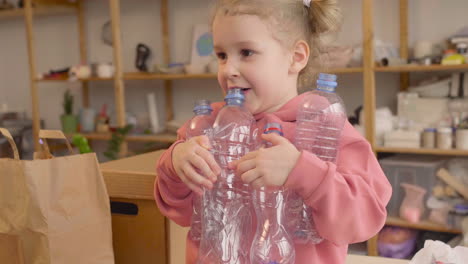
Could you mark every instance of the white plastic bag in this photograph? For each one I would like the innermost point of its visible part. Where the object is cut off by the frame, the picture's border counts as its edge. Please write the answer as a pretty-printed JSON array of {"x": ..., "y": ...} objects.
[{"x": 437, "y": 252}]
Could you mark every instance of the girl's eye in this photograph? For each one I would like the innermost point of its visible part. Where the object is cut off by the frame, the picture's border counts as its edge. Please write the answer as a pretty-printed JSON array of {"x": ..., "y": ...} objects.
[
  {"x": 247, "y": 52},
  {"x": 221, "y": 55}
]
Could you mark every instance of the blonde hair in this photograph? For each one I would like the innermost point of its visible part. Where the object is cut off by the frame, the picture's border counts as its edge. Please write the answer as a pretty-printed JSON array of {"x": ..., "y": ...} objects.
[{"x": 291, "y": 21}]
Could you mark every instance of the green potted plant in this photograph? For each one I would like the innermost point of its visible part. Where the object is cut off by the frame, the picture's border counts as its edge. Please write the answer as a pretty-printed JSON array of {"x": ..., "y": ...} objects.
[{"x": 68, "y": 119}]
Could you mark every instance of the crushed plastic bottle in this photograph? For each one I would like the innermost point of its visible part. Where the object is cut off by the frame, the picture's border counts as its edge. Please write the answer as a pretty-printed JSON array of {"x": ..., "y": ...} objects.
[
  {"x": 320, "y": 121},
  {"x": 227, "y": 217},
  {"x": 272, "y": 243},
  {"x": 200, "y": 124}
]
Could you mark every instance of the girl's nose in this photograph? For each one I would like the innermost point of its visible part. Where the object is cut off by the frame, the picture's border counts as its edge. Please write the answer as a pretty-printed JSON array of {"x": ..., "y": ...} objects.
[{"x": 230, "y": 70}]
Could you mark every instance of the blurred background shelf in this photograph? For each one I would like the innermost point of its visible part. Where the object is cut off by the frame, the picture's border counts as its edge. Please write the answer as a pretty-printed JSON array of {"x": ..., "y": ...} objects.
[
  {"x": 451, "y": 152},
  {"x": 344, "y": 70},
  {"x": 155, "y": 76},
  {"x": 64, "y": 79},
  {"x": 162, "y": 137},
  {"x": 422, "y": 68},
  {"x": 39, "y": 11},
  {"x": 423, "y": 225}
]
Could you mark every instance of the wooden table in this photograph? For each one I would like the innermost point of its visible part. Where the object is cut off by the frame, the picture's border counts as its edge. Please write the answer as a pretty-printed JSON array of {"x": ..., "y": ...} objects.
[{"x": 139, "y": 229}]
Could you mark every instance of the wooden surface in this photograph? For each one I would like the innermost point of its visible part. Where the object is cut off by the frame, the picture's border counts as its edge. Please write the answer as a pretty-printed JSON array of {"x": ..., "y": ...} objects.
[
  {"x": 131, "y": 178},
  {"x": 38, "y": 11},
  {"x": 357, "y": 259},
  {"x": 162, "y": 137},
  {"x": 83, "y": 49},
  {"x": 404, "y": 77},
  {"x": 423, "y": 225},
  {"x": 369, "y": 75},
  {"x": 32, "y": 71},
  {"x": 423, "y": 68},
  {"x": 141, "y": 238},
  {"x": 164, "y": 18},
  {"x": 432, "y": 151}
]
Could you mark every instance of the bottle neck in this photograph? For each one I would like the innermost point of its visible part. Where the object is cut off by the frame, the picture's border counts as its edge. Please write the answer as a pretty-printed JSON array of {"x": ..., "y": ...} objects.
[
  {"x": 327, "y": 89},
  {"x": 234, "y": 102},
  {"x": 203, "y": 112}
]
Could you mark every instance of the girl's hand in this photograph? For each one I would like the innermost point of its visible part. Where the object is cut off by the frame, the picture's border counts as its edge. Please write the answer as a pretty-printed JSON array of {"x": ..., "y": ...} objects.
[
  {"x": 194, "y": 164},
  {"x": 270, "y": 166}
]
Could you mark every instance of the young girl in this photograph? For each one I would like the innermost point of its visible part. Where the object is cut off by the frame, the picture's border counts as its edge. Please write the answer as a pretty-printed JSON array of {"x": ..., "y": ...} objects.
[{"x": 263, "y": 47}]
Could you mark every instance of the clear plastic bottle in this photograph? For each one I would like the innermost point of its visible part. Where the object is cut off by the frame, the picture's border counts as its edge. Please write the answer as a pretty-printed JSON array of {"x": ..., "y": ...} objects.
[
  {"x": 227, "y": 214},
  {"x": 272, "y": 243},
  {"x": 320, "y": 121},
  {"x": 200, "y": 124}
]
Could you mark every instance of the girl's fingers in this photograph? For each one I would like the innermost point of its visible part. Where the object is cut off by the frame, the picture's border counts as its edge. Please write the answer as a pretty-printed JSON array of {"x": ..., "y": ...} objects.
[
  {"x": 195, "y": 188},
  {"x": 245, "y": 166},
  {"x": 248, "y": 156},
  {"x": 209, "y": 159},
  {"x": 196, "y": 178},
  {"x": 250, "y": 176},
  {"x": 202, "y": 167}
]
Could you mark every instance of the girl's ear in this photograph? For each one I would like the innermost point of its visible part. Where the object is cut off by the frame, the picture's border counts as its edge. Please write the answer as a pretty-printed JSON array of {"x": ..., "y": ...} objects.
[{"x": 300, "y": 56}]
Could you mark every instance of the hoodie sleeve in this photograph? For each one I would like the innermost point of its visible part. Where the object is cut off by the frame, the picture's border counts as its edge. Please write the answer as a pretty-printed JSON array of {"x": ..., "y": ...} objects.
[
  {"x": 173, "y": 197},
  {"x": 348, "y": 200}
]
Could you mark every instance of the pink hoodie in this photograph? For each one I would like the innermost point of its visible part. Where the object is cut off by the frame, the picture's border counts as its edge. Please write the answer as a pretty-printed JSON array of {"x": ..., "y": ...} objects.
[{"x": 348, "y": 200}]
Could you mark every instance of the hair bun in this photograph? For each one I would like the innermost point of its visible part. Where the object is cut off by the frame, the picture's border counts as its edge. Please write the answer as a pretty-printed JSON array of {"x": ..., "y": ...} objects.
[{"x": 325, "y": 16}]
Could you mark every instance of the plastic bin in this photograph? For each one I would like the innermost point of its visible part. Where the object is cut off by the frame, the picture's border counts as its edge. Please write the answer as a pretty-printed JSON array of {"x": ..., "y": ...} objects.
[{"x": 413, "y": 169}]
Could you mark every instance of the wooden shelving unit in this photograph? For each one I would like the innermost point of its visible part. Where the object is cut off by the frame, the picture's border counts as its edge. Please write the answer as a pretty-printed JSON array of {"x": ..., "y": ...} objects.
[
  {"x": 369, "y": 87},
  {"x": 163, "y": 137},
  {"x": 433, "y": 151},
  {"x": 63, "y": 79},
  {"x": 39, "y": 11},
  {"x": 423, "y": 225},
  {"x": 420, "y": 68}
]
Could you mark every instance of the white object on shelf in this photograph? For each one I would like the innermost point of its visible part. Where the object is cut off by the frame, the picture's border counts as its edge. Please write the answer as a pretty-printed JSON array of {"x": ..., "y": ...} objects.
[
  {"x": 444, "y": 138},
  {"x": 461, "y": 139},
  {"x": 153, "y": 113},
  {"x": 402, "y": 139},
  {"x": 436, "y": 88},
  {"x": 423, "y": 112}
]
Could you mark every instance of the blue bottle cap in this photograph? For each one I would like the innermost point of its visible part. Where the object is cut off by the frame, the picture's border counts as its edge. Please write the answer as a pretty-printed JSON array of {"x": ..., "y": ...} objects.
[
  {"x": 327, "y": 77},
  {"x": 273, "y": 128},
  {"x": 202, "y": 105},
  {"x": 235, "y": 94}
]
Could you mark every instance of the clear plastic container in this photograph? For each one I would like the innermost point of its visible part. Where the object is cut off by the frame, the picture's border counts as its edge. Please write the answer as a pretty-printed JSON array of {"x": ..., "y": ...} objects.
[
  {"x": 200, "y": 124},
  {"x": 412, "y": 207},
  {"x": 272, "y": 243},
  {"x": 227, "y": 212},
  {"x": 320, "y": 120}
]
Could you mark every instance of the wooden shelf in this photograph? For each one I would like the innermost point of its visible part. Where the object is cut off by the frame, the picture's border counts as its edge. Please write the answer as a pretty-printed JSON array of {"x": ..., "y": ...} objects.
[
  {"x": 156, "y": 76},
  {"x": 63, "y": 79},
  {"x": 421, "y": 68},
  {"x": 39, "y": 11},
  {"x": 343, "y": 70},
  {"x": 423, "y": 225},
  {"x": 163, "y": 137},
  {"x": 451, "y": 152}
]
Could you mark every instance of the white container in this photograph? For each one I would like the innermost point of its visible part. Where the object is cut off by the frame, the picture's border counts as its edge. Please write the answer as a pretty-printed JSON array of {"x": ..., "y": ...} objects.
[
  {"x": 444, "y": 138},
  {"x": 461, "y": 139},
  {"x": 429, "y": 138}
]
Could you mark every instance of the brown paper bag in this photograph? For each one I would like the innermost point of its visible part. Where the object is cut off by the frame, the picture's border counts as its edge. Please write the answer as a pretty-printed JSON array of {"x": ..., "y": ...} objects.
[{"x": 53, "y": 210}]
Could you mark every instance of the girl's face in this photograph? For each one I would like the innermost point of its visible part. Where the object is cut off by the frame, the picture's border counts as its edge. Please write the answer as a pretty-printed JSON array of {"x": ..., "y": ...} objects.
[{"x": 252, "y": 59}]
